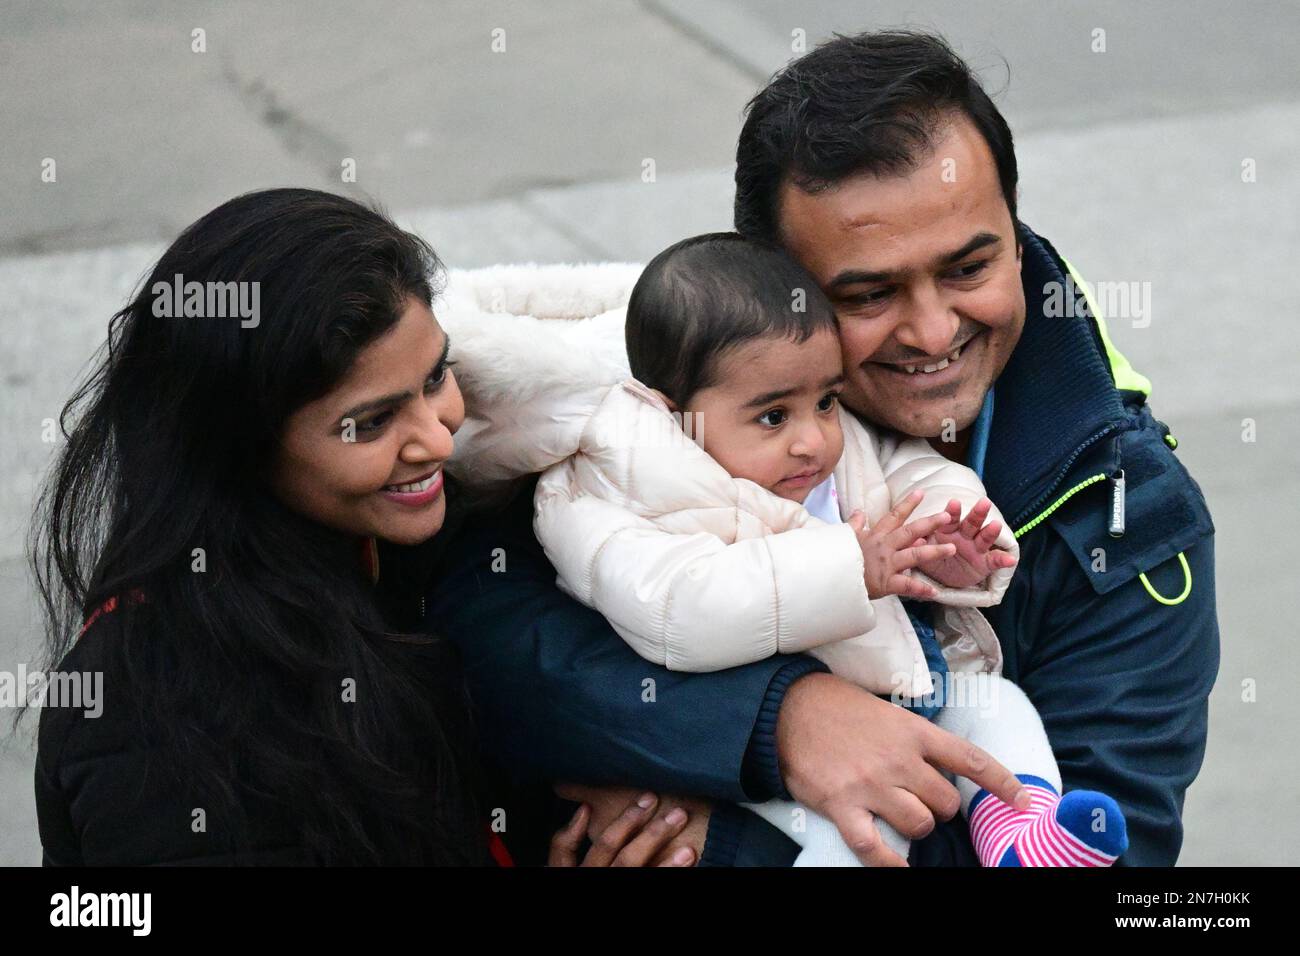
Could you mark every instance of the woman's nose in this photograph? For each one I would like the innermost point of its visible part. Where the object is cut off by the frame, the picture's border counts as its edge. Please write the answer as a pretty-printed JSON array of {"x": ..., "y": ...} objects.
[{"x": 431, "y": 439}]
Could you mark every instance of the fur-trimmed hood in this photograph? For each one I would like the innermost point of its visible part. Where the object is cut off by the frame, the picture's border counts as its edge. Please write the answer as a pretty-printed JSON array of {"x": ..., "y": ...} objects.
[{"x": 523, "y": 334}]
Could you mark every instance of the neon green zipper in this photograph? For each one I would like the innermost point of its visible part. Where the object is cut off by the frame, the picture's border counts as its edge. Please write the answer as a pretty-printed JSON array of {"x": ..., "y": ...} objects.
[{"x": 1060, "y": 501}]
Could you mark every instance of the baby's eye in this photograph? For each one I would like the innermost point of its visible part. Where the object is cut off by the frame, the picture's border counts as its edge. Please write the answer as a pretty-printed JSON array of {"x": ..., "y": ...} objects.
[
  {"x": 828, "y": 402},
  {"x": 772, "y": 418}
]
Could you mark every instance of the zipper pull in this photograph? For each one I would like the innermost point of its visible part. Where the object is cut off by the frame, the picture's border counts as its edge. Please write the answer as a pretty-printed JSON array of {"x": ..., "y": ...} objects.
[{"x": 1116, "y": 528}]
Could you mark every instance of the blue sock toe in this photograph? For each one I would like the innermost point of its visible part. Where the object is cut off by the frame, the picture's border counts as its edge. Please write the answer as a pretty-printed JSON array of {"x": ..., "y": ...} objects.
[{"x": 1095, "y": 819}]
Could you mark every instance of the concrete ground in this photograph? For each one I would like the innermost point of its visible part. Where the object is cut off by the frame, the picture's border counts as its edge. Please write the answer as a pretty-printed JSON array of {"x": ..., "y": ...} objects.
[{"x": 1131, "y": 162}]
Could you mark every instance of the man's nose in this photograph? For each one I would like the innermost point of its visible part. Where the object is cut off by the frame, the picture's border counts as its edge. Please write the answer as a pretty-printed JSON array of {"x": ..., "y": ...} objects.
[{"x": 929, "y": 326}]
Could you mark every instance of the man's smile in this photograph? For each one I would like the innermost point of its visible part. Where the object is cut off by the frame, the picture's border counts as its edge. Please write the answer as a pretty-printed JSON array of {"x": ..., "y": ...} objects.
[{"x": 928, "y": 372}]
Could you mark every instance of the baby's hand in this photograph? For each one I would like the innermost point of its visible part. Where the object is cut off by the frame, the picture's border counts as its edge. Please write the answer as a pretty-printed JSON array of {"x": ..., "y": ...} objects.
[
  {"x": 891, "y": 547},
  {"x": 975, "y": 557}
]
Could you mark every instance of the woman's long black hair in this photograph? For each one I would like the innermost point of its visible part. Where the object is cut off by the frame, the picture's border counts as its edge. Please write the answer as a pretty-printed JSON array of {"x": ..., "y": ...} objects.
[{"x": 239, "y": 654}]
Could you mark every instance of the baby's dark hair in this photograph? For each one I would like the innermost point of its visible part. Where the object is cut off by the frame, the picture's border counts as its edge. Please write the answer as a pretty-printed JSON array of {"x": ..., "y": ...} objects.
[{"x": 705, "y": 295}]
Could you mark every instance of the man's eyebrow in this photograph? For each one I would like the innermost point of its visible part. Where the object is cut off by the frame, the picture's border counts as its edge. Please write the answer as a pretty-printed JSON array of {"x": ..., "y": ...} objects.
[
  {"x": 977, "y": 241},
  {"x": 863, "y": 276},
  {"x": 856, "y": 277},
  {"x": 396, "y": 397}
]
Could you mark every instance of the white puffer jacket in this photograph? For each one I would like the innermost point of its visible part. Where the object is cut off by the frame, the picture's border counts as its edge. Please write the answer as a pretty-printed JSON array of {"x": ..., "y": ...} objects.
[{"x": 695, "y": 569}]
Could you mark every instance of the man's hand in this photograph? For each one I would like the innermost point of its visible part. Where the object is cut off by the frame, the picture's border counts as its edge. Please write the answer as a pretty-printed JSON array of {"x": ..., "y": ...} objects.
[
  {"x": 609, "y": 803},
  {"x": 852, "y": 756},
  {"x": 975, "y": 558}
]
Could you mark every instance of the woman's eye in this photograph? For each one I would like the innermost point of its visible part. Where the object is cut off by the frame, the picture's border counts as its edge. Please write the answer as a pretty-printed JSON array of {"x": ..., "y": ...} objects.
[
  {"x": 374, "y": 424},
  {"x": 438, "y": 375},
  {"x": 772, "y": 418}
]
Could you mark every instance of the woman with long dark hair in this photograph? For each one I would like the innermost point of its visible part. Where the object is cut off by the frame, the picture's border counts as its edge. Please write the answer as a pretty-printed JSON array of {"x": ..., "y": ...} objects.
[{"x": 236, "y": 536}]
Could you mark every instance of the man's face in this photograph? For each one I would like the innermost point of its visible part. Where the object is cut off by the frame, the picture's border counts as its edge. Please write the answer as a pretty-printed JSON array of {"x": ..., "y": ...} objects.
[{"x": 920, "y": 268}]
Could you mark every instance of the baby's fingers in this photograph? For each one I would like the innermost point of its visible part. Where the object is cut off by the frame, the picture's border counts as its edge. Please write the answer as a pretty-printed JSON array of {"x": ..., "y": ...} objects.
[
  {"x": 920, "y": 528},
  {"x": 909, "y": 587},
  {"x": 975, "y": 519},
  {"x": 911, "y": 557},
  {"x": 984, "y": 540},
  {"x": 1002, "y": 559},
  {"x": 899, "y": 513}
]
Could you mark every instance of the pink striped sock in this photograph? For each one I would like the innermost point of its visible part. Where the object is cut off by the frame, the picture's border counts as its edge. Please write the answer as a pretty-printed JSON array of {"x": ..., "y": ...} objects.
[{"x": 1005, "y": 836}]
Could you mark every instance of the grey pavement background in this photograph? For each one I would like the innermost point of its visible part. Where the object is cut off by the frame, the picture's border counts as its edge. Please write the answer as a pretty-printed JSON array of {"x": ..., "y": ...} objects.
[{"x": 1131, "y": 163}]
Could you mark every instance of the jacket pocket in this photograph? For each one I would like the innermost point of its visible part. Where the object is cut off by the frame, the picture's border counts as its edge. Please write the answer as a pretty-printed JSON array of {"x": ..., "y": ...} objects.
[{"x": 1164, "y": 514}]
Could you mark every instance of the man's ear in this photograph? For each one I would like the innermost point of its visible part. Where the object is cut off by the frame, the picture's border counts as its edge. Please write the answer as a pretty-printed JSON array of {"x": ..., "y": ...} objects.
[{"x": 672, "y": 406}]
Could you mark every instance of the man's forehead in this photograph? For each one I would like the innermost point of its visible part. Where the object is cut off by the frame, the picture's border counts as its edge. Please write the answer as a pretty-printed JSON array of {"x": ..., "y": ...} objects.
[{"x": 952, "y": 194}]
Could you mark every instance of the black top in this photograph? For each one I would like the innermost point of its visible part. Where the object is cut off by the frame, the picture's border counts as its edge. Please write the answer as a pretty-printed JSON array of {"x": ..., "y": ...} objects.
[{"x": 107, "y": 790}]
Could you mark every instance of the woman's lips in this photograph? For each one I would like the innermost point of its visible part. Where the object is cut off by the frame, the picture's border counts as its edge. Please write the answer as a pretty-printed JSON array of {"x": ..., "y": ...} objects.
[{"x": 417, "y": 499}]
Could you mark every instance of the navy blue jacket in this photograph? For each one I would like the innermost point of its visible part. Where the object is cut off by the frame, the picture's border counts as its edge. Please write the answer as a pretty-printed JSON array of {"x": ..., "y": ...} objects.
[{"x": 1118, "y": 648}]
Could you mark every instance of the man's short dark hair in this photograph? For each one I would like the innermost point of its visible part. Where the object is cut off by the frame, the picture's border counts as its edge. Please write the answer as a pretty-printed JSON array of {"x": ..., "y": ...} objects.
[
  {"x": 870, "y": 103},
  {"x": 708, "y": 294}
]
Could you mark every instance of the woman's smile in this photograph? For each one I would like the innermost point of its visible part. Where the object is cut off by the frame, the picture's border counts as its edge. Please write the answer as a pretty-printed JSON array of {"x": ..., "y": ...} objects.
[{"x": 417, "y": 493}]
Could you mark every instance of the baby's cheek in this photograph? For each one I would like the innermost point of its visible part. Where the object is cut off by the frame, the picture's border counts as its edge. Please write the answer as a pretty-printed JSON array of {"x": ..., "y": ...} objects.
[
  {"x": 767, "y": 468},
  {"x": 834, "y": 445},
  {"x": 727, "y": 452}
]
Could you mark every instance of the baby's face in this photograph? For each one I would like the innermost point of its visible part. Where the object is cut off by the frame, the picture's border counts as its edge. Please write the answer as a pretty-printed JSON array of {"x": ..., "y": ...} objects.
[{"x": 772, "y": 414}]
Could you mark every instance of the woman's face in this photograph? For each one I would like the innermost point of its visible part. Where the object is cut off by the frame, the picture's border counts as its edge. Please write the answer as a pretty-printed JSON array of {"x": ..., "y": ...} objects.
[{"x": 367, "y": 457}]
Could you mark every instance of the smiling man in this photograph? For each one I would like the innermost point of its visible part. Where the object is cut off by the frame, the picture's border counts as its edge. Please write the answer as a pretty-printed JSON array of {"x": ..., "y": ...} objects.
[
  {"x": 882, "y": 166},
  {"x": 894, "y": 183}
]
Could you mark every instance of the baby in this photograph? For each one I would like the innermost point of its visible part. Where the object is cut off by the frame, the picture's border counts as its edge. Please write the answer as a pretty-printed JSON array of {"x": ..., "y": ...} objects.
[{"x": 722, "y": 507}]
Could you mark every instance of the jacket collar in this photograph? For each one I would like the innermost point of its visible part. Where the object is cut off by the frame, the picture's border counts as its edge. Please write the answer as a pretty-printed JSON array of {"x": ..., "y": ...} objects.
[{"x": 1054, "y": 398}]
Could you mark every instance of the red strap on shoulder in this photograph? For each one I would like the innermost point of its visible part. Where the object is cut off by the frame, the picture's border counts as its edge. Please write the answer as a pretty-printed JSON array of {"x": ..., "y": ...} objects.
[
  {"x": 134, "y": 596},
  {"x": 498, "y": 849}
]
